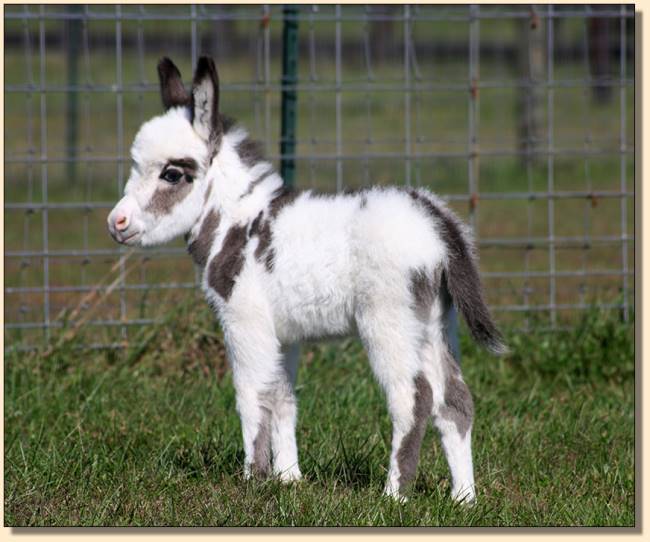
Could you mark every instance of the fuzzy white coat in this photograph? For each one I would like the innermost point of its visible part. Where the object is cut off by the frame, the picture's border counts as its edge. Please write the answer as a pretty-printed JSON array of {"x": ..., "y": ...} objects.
[{"x": 385, "y": 263}]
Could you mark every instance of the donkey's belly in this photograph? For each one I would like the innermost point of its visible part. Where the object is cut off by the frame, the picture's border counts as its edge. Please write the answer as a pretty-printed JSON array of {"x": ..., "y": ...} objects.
[
  {"x": 311, "y": 307},
  {"x": 313, "y": 279}
]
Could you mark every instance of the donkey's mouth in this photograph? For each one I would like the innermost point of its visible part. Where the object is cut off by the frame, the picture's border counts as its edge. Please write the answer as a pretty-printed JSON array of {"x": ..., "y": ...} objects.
[{"x": 130, "y": 239}]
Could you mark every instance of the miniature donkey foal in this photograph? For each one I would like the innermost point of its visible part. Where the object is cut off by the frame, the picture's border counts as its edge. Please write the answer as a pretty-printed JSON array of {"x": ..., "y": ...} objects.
[{"x": 280, "y": 267}]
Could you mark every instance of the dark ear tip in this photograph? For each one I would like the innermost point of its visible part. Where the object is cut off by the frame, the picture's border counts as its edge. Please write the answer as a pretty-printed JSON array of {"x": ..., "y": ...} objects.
[
  {"x": 166, "y": 66},
  {"x": 205, "y": 61},
  {"x": 204, "y": 65}
]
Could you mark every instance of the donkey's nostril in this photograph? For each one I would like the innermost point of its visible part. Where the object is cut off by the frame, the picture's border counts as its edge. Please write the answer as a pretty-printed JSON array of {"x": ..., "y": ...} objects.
[{"x": 121, "y": 222}]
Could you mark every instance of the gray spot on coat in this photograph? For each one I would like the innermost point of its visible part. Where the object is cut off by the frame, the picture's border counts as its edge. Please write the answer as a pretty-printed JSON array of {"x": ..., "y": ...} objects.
[
  {"x": 261, "y": 466},
  {"x": 199, "y": 248},
  {"x": 262, "y": 229},
  {"x": 423, "y": 289},
  {"x": 459, "y": 406},
  {"x": 269, "y": 261},
  {"x": 254, "y": 184},
  {"x": 250, "y": 152},
  {"x": 167, "y": 196},
  {"x": 228, "y": 263},
  {"x": 282, "y": 198},
  {"x": 208, "y": 191},
  {"x": 408, "y": 454}
]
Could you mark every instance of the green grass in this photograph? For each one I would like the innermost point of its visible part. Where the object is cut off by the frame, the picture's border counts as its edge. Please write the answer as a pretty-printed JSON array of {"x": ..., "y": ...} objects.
[{"x": 150, "y": 436}]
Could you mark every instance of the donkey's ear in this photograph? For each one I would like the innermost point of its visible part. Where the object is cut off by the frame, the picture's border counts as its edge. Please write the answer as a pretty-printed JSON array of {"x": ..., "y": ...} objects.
[
  {"x": 172, "y": 91},
  {"x": 205, "y": 99}
]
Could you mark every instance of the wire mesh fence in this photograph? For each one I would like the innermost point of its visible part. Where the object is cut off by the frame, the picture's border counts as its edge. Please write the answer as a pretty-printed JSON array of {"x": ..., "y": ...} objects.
[{"x": 522, "y": 117}]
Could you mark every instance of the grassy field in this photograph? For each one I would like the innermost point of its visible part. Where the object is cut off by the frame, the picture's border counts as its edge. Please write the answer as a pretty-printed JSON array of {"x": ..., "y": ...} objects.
[{"x": 149, "y": 436}]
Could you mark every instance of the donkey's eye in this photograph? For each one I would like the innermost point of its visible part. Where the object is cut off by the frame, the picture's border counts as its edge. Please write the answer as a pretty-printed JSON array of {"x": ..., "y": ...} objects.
[{"x": 171, "y": 175}]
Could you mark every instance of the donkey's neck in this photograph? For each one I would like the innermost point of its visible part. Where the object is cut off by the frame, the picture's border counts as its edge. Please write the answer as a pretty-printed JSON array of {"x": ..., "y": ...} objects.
[
  {"x": 240, "y": 184},
  {"x": 243, "y": 181}
]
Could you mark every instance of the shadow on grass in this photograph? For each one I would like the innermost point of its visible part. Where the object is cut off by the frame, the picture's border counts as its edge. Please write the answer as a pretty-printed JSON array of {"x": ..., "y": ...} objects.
[
  {"x": 197, "y": 461},
  {"x": 351, "y": 465}
]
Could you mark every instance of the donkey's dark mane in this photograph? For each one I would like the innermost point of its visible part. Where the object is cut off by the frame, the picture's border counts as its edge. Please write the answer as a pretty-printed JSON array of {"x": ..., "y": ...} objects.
[
  {"x": 227, "y": 122},
  {"x": 250, "y": 151}
]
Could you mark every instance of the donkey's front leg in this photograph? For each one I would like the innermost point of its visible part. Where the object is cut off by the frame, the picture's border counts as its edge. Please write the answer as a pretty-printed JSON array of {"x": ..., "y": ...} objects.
[
  {"x": 255, "y": 415},
  {"x": 283, "y": 431},
  {"x": 257, "y": 375}
]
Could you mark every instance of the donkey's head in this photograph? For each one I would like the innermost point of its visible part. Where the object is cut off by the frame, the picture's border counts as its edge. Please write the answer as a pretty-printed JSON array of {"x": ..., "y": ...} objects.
[{"x": 171, "y": 155}]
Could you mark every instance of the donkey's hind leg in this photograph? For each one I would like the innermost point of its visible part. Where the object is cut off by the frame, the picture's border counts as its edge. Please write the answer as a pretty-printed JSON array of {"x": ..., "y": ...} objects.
[
  {"x": 453, "y": 412},
  {"x": 391, "y": 336}
]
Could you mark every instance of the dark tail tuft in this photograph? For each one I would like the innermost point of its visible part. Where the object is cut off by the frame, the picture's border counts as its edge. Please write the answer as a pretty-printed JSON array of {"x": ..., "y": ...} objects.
[
  {"x": 465, "y": 290},
  {"x": 462, "y": 278}
]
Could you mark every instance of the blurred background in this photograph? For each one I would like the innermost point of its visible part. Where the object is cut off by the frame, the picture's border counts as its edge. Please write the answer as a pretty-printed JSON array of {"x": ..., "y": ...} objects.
[{"x": 521, "y": 116}]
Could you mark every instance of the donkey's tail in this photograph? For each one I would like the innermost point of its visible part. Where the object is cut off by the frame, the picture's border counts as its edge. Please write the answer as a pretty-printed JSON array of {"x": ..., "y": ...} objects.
[
  {"x": 461, "y": 273},
  {"x": 466, "y": 292}
]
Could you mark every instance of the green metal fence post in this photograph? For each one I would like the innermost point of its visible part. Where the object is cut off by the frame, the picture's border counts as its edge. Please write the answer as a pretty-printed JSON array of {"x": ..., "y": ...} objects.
[
  {"x": 289, "y": 94},
  {"x": 73, "y": 40}
]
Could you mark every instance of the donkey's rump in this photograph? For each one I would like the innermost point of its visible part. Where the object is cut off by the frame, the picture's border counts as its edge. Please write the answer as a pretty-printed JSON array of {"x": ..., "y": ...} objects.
[{"x": 393, "y": 236}]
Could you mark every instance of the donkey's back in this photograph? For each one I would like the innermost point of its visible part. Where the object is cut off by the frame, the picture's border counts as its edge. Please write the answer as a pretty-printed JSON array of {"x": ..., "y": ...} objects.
[{"x": 334, "y": 255}]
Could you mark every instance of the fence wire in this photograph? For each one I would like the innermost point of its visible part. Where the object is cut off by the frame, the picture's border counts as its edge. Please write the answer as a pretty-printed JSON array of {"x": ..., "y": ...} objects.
[{"x": 521, "y": 116}]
